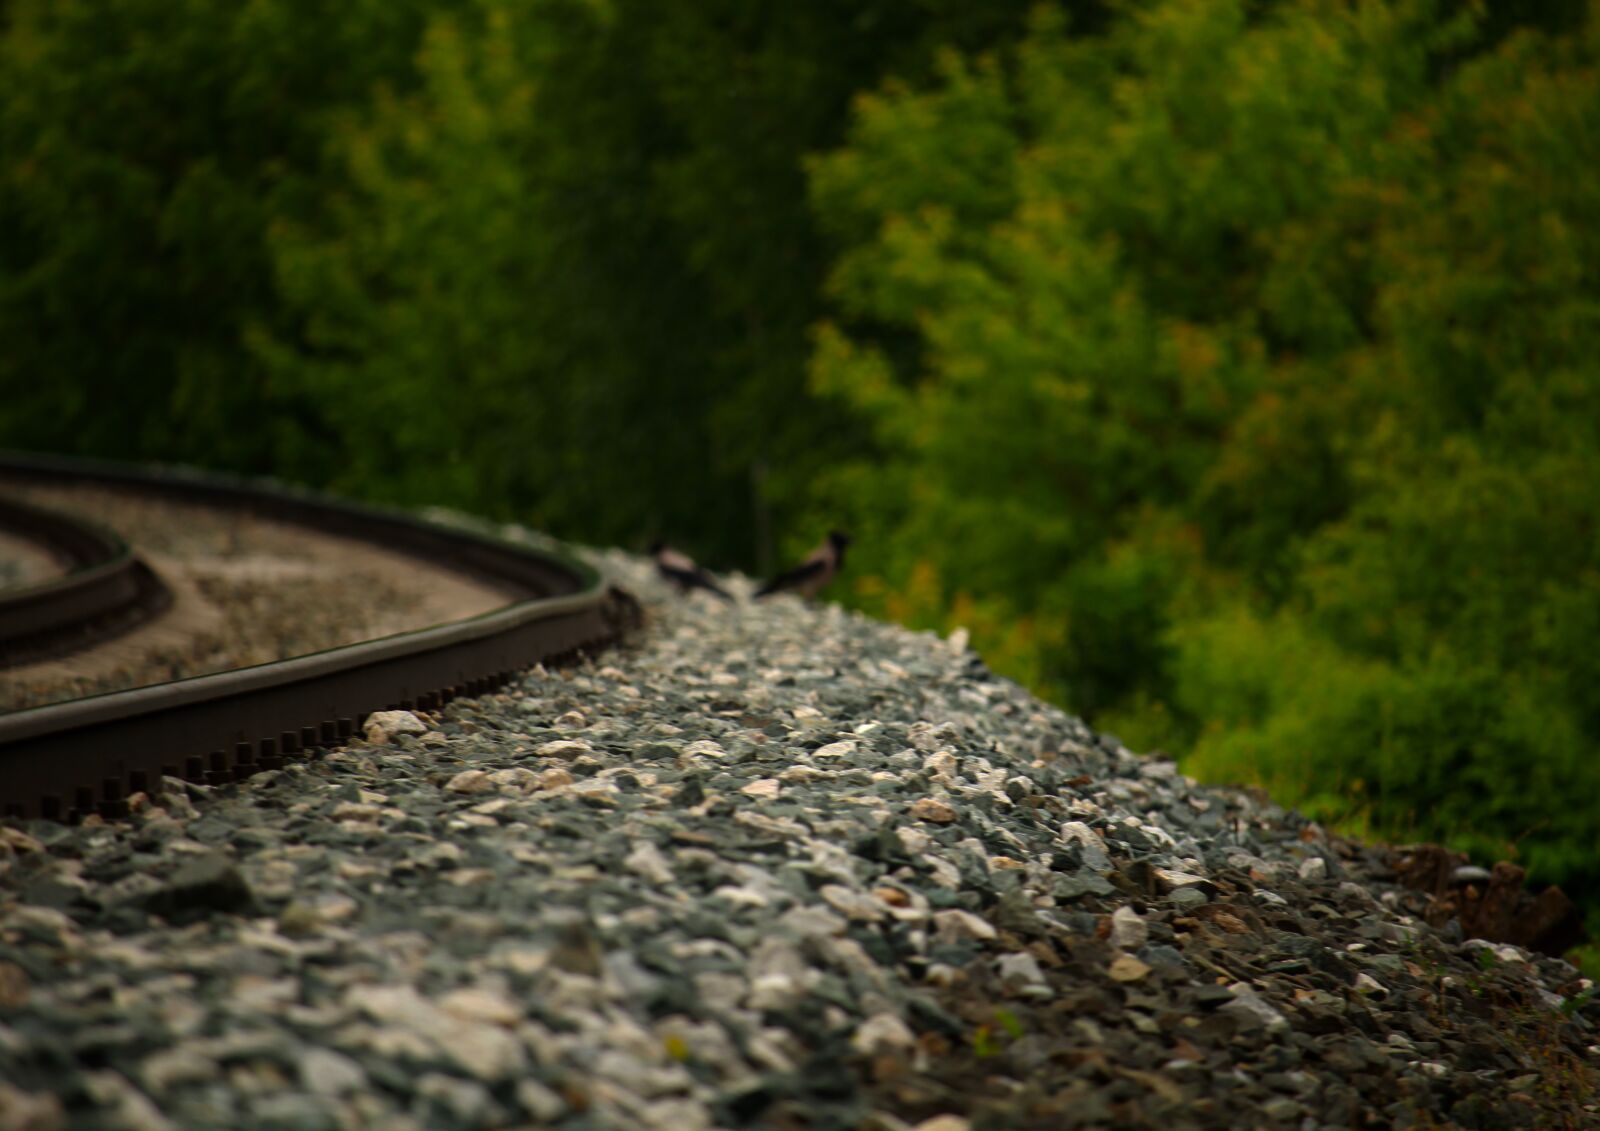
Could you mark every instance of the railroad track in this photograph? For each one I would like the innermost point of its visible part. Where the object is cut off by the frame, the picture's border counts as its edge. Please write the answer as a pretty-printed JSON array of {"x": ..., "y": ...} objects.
[
  {"x": 66, "y": 760},
  {"x": 105, "y": 589}
]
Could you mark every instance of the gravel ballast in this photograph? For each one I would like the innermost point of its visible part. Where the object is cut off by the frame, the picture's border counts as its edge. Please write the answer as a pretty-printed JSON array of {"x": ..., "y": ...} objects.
[{"x": 774, "y": 865}]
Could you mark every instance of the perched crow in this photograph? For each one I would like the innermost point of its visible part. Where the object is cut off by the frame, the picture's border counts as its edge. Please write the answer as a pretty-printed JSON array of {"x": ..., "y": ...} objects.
[
  {"x": 681, "y": 571},
  {"x": 811, "y": 575}
]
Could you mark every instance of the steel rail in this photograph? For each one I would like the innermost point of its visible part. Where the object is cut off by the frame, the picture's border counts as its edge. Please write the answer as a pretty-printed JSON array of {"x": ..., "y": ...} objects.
[
  {"x": 65, "y": 760},
  {"x": 105, "y": 591}
]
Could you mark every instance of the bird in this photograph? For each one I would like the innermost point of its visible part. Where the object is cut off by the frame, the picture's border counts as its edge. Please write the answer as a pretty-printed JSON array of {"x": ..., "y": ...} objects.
[
  {"x": 680, "y": 569},
  {"x": 816, "y": 571}
]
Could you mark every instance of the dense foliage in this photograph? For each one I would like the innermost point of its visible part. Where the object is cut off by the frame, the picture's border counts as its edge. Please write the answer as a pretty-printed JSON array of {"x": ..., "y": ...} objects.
[
  {"x": 1230, "y": 367},
  {"x": 1240, "y": 375}
]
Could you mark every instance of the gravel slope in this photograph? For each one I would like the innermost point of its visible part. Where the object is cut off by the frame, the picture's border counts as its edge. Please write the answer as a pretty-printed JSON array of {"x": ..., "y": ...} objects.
[{"x": 773, "y": 866}]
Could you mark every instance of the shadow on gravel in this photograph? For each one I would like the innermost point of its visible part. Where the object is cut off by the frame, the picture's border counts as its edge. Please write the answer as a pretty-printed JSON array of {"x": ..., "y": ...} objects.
[{"x": 1234, "y": 1014}]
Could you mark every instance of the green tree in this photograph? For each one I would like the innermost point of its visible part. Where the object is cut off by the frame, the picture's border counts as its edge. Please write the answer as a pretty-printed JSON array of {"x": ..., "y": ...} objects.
[
  {"x": 1098, "y": 252},
  {"x": 148, "y": 148},
  {"x": 1247, "y": 357},
  {"x": 185, "y": 240}
]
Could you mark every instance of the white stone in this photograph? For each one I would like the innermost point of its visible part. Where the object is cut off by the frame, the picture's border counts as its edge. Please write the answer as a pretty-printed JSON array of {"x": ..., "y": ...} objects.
[
  {"x": 473, "y": 1003},
  {"x": 20, "y": 842},
  {"x": 516, "y": 777},
  {"x": 942, "y": 872},
  {"x": 934, "y": 810},
  {"x": 541, "y": 1102},
  {"x": 564, "y": 748},
  {"x": 718, "y": 990},
  {"x": 485, "y": 1051},
  {"x": 1020, "y": 971},
  {"x": 853, "y": 904},
  {"x": 915, "y": 841},
  {"x": 1367, "y": 984},
  {"x": 741, "y": 896},
  {"x": 882, "y": 1032},
  {"x": 1090, "y": 846},
  {"x": 328, "y": 1073},
  {"x": 524, "y": 960},
  {"x": 811, "y": 922},
  {"x": 840, "y": 749},
  {"x": 778, "y": 826},
  {"x": 29, "y": 1111},
  {"x": 383, "y": 726},
  {"x": 553, "y": 778},
  {"x": 1128, "y": 929},
  {"x": 646, "y": 860},
  {"x": 801, "y": 774},
  {"x": 772, "y": 991},
  {"x": 470, "y": 781},
  {"x": 944, "y": 1123},
  {"x": 595, "y": 790},
  {"x": 808, "y": 718},
  {"x": 161, "y": 1071},
  {"x": 955, "y": 925},
  {"x": 677, "y": 1114}
]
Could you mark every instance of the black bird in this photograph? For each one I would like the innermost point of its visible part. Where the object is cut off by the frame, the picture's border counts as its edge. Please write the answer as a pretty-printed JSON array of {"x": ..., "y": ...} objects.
[
  {"x": 817, "y": 570},
  {"x": 681, "y": 571}
]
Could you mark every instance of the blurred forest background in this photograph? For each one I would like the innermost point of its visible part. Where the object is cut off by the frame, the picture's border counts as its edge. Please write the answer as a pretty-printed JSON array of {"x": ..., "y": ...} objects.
[{"x": 1230, "y": 367}]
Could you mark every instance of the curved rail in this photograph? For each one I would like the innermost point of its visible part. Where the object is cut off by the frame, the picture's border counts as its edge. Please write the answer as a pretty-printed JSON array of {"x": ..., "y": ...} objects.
[
  {"x": 105, "y": 592},
  {"x": 65, "y": 760}
]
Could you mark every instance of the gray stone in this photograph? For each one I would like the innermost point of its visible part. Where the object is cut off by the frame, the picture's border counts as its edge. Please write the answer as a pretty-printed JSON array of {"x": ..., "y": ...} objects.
[
  {"x": 451, "y": 1101},
  {"x": 328, "y": 1073},
  {"x": 1252, "y": 1011},
  {"x": 208, "y": 885}
]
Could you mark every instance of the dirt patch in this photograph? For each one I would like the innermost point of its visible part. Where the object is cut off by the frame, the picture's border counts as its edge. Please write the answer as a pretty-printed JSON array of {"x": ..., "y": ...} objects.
[{"x": 23, "y": 562}]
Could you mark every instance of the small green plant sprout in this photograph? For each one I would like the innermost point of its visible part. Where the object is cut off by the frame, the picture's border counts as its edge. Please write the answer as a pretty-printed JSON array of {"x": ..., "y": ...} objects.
[
  {"x": 984, "y": 1044},
  {"x": 1577, "y": 1001},
  {"x": 989, "y": 1039}
]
